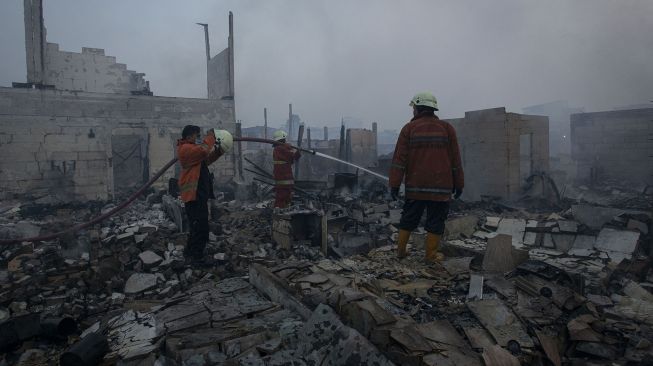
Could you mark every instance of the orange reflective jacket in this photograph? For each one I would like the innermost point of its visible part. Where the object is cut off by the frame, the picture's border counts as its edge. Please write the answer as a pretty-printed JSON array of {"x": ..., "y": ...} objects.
[
  {"x": 190, "y": 157},
  {"x": 283, "y": 157},
  {"x": 428, "y": 159}
]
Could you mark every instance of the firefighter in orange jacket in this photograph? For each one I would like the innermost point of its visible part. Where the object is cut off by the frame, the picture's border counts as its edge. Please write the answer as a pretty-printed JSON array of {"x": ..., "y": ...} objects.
[
  {"x": 283, "y": 157},
  {"x": 196, "y": 185},
  {"x": 427, "y": 159}
]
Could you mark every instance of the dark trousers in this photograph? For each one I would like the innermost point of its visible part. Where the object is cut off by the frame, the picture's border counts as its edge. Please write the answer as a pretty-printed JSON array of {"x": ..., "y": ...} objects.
[
  {"x": 282, "y": 196},
  {"x": 436, "y": 214},
  {"x": 198, "y": 224}
]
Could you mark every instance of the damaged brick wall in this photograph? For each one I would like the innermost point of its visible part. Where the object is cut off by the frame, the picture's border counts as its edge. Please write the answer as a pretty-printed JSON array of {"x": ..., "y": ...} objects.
[
  {"x": 613, "y": 144},
  {"x": 91, "y": 71},
  {"x": 59, "y": 142}
]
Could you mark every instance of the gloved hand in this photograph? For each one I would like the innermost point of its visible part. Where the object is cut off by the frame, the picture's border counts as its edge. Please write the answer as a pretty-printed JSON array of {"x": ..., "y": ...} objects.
[
  {"x": 457, "y": 192},
  {"x": 394, "y": 193}
]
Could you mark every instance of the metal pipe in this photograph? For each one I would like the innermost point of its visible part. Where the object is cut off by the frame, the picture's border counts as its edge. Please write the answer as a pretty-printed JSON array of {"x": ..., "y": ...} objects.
[
  {"x": 58, "y": 327},
  {"x": 88, "y": 351}
]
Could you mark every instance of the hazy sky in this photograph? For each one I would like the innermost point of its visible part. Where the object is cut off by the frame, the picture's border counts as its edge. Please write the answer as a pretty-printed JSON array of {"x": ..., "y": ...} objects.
[{"x": 366, "y": 58}]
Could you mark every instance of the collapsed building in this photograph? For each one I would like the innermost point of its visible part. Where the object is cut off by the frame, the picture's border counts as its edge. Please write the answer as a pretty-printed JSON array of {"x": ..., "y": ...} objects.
[{"x": 565, "y": 282}]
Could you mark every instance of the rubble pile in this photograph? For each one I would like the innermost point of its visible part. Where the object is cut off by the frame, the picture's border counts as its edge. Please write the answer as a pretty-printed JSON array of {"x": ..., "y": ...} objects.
[
  {"x": 312, "y": 283},
  {"x": 518, "y": 288}
]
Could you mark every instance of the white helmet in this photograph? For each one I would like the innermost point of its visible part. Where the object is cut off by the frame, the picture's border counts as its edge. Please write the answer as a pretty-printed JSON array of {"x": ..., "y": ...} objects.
[
  {"x": 279, "y": 135},
  {"x": 223, "y": 139}
]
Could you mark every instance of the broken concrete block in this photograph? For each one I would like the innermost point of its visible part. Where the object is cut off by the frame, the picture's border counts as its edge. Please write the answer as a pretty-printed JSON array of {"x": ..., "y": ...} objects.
[
  {"x": 126, "y": 237},
  {"x": 513, "y": 227},
  {"x": 475, "y": 287},
  {"x": 547, "y": 241},
  {"x": 342, "y": 344},
  {"x": 497, "y": 356},
  {"x": 637, "y": 225},
  {"x": 147, "y": 228},
  {"x": 634, "y": 290},
  {"x": 492, "y": 221},
  {"x": 456, "y": 266},
  {"x": 567, "y": 226},
  {"x": 580, "y": 330},
  {"x": 139, "y": 282},
  {"x": 550, "y": 347},
  {"x": 500, "y": 256},
  {"x": 500, "y": 321},
  {"x": 635, "y": 309},
  {"x": 618, "y": 244},
  {"x": 563, "y": 242},
  {"x": 479, "y": 338},
  {"x": 150, "y": 259},
  {"x": 465, "y": 226},
  {"x": 583, "y": 246},
  {"x": 599, "y": 300},
  {"x": 140, "y": 238},
  {"x": 594, "y": 217},
  {"x": 132, "y": 229},
  {"x": 530, "y": 238}
]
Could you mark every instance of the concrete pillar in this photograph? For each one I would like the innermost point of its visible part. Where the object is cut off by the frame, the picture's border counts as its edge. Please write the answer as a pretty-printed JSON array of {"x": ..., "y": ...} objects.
[
  {"x": 375, "y": 129},
  {"x": 239, "y": 151},
  {"x": 289, "y": 121},
  {"x": 326, "y": 133},
  {"x": 34, "y": 41},
  {"x": 232, "y": 92},
  {"x": 341, "y": 151},
  {"x": 265, "y": 123},
  {"x": 208, "y": 57},
  {"x": 308, "y": 138}
]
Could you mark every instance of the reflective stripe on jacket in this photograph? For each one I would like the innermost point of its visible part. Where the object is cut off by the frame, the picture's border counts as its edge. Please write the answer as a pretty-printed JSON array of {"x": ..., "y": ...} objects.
[
  {"x": 427, "y": 159},
  {"x": 190, "y": 157},
  {"x": 283, "y": 157}
]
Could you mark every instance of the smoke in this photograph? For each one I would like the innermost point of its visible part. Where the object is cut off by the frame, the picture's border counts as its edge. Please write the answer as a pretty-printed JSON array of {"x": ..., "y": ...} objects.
[{"x": 367, "y": 58}]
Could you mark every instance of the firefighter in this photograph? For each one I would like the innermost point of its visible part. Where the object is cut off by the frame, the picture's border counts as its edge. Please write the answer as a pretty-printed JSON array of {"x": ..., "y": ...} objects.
[
  {"x": 427, "y": 160},
  {"x": 196, "y": 182},
  {"x": 283, "y": 158}
]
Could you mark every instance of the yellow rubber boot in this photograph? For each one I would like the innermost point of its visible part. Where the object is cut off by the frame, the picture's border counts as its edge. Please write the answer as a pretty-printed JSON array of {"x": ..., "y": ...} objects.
[
  {"x": 431, "y": 247},
  {"x": 402, "y": 243}
]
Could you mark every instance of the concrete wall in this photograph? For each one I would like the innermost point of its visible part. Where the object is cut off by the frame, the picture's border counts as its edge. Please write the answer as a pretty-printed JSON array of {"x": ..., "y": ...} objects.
[
  {"x": 90, "y": 71},
  {"x": 614, "y": 144},
  {"x": 59, "y": 142},
  {"x": 490, "y": 148},
  {"x": 362, "y": 148},
  {"x": 559, "y": 131}
]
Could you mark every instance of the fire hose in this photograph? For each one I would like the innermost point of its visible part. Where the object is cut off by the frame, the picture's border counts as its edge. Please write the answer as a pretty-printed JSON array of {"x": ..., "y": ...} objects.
[{"x": 129, "y": 200}]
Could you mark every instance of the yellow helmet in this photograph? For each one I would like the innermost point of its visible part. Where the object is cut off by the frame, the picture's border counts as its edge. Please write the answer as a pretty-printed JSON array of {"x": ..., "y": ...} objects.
[
  {"x": 279, "y": 135},
  {"x": 426, "y": 99},
  {"x": 223, "y": 139}
]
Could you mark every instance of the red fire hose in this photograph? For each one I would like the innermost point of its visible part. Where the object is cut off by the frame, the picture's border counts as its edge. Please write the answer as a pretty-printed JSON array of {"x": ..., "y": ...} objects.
[{"x": 127, "y": 202}]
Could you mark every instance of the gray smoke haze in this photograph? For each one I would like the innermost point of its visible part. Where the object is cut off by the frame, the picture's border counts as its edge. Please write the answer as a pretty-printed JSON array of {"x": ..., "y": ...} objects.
[{"x": 366, "y": 58}]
